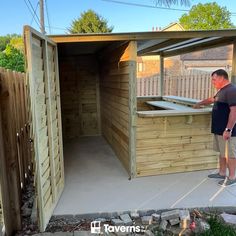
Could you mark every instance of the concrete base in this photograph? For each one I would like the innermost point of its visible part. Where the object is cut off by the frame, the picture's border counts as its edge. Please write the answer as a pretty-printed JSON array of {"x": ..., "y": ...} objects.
[{"x": 96, "y": 182}]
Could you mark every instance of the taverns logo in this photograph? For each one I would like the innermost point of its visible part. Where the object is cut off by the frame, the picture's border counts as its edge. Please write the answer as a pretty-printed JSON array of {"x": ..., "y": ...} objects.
[{"x": 96, "y": 228}]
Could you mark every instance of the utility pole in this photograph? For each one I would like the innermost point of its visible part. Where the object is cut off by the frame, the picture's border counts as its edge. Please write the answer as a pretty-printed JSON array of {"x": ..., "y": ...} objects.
[{"x": 42, "y": 26}]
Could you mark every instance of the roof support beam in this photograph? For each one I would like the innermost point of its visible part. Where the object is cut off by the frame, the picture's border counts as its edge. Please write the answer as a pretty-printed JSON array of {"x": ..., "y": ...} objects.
[
  {"x": 203, "y": 46},
  {"x": 164, "y": 44}
]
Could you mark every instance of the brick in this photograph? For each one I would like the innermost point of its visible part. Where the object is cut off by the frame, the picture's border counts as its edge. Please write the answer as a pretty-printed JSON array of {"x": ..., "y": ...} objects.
[
  {"x": 156, "y": 216},
  {"x": 174, "y": 221},
  {"x": 168, "y": 215},
  {"x": 146, "y": 220},
  {"x": 134, "y": 215},
  {"x": 126, "y": 219}
]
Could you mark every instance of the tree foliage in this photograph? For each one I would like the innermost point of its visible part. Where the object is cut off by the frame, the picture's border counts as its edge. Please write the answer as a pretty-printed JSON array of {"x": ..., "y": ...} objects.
[
  {"x": 209, "y": 16},
  {"x": 11, "y": 55},
  {"x": 90, "y": 22}
]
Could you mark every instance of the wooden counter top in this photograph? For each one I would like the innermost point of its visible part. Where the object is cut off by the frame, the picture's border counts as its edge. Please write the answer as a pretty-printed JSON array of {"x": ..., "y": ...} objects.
[{"x": 156, "y": 113}]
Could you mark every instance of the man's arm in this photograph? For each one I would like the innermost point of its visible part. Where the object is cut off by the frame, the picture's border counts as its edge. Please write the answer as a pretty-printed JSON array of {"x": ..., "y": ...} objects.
[
  {"x": 231, "y": 122},
  {"x": 204, "y": 102}
]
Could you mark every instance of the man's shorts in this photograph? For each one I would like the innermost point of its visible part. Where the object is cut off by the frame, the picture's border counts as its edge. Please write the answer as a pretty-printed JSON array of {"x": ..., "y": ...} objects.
[{"x": 219, "y": 146}]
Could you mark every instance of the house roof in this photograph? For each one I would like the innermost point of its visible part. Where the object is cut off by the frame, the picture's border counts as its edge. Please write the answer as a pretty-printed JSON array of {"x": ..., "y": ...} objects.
[{"x": 165, "y": 43}]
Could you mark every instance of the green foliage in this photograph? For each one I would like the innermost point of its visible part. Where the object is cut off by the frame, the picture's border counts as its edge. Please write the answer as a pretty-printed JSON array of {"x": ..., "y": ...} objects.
[
  {"x": 12, "y": 58},
  {"x": 11, "y": 52},
  {"x": 209, "y": 16},
  {"x": 89, "y": 22},
  {"x": 4, "y": 40},
  {"x": 218, "y": 228}
]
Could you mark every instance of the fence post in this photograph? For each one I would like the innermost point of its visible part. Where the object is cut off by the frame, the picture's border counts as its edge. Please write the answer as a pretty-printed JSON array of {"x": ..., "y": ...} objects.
[{"x": 161, "y": 88}]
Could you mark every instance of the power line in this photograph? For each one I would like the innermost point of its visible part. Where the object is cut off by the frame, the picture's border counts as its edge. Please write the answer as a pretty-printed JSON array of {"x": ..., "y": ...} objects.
[
  {"x": 31, "y": 13},
  {"x": 150, "y": 6},
  {"x": 144, "y": 5},
  {"x": 46, "y": 5},
  {"x": 33, "y": 10},
  {"x": 36, "y": 8}
]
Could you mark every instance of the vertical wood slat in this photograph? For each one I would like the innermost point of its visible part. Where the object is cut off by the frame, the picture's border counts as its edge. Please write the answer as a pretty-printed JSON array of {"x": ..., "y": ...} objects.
[{"x": 192, "y": 85}]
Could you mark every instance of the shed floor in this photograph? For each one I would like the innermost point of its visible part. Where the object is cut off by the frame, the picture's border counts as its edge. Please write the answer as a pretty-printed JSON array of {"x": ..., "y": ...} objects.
[{"x": 96, "y": 182}]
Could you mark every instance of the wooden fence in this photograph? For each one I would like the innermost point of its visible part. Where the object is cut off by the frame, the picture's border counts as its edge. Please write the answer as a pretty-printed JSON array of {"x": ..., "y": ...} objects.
[
  {"x": 15, "y": 146},
  {"x": 197, "y": 86}
]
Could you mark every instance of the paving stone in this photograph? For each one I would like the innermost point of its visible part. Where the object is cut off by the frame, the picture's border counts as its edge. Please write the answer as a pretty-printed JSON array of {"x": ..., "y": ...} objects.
[
  {"x": 184, "y": 215},
  {"x": 82, "y": 233},
  {"x": 163, "y": 224},
  {"x": 146, "y": 220},
  {"x": 134, "y": 215},
  {"x": 156, "y": 216},
  {"x": 117, "y": 222},
  {"x": 168, "y": 215},
  {"x": 229, "y": 218},
  {"x": 174, "y": 221},
  {"x": 126, "y": 219}
]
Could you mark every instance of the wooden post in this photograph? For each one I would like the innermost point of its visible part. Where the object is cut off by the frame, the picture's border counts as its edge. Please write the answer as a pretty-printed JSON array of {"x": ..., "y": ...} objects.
[
  {"x": 161, "y": 88},
  {"x": 233, "y": 73}
]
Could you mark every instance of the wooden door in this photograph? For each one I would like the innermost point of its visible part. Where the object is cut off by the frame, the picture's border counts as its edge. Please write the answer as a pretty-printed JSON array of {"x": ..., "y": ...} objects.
[{"x": 44, "y": 97}]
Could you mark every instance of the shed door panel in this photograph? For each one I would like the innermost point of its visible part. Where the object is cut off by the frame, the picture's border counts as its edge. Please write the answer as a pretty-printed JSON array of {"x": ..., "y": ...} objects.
[{"x": 44, "y": 92}]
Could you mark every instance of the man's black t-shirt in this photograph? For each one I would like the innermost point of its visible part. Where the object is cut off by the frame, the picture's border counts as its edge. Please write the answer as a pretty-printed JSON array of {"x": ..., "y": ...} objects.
[{"x": 224, "y": 99}]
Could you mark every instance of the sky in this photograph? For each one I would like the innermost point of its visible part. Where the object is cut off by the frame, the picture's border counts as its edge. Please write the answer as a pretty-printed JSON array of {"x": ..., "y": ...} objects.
[{"x": 125, "y": 18}]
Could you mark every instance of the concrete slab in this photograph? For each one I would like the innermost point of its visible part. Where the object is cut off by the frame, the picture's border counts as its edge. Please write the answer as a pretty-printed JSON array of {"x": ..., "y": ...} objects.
[{"x": 96, "y": 182}]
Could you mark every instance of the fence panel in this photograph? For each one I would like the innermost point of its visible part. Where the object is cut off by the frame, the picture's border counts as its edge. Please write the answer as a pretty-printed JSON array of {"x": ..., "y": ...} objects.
[
  {"x": 16, "y": 155},
  {"x": 193, "y": 85}
]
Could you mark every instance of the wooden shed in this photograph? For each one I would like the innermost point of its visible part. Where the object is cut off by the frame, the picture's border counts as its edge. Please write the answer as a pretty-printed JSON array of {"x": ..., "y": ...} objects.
[{"x": 85, "y": 84}]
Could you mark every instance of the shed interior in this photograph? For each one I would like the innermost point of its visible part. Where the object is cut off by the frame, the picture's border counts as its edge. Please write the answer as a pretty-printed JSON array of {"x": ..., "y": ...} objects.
[{"x": 94, "y": 83}]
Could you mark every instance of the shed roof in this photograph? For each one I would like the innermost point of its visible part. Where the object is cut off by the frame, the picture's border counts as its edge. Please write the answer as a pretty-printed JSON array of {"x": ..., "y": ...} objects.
[{"x": 165, "y": 43}]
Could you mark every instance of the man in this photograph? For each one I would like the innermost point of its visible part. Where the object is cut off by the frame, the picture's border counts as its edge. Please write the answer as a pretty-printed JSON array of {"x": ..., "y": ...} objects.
[{"x": 223, "y": 125}]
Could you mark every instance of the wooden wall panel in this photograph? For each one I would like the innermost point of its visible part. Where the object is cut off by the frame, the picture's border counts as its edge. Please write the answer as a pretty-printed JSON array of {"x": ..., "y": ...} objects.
[
  {"x": 42, "y": 65},
  {"x": 118, "y": 100},
  {"x": 79, "y": 96},
  {"x": 173, "y": 144}
]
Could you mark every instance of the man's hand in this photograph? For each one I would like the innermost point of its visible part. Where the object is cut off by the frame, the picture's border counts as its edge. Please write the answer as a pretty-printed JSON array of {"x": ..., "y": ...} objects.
[
  {"x": 197, "y": 106},
  {"x": 226, "y": 135}
]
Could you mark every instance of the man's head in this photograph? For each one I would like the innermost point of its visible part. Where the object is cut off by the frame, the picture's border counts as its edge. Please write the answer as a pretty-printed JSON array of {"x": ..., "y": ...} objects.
[{"x": 219, "y": 78}]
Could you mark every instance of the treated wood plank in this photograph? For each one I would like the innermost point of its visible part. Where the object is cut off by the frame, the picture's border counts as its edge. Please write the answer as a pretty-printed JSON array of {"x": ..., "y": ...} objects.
[{"x": 169, "y": 105}]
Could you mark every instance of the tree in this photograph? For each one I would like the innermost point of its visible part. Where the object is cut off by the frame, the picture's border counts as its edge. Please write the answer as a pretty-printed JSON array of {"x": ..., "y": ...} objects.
[
  {"x": 12, "y": 56},
  {"x": 4, "y": 40},
  {"x": 90, "y": 22},
  {"x": 209, "y": 16}
]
